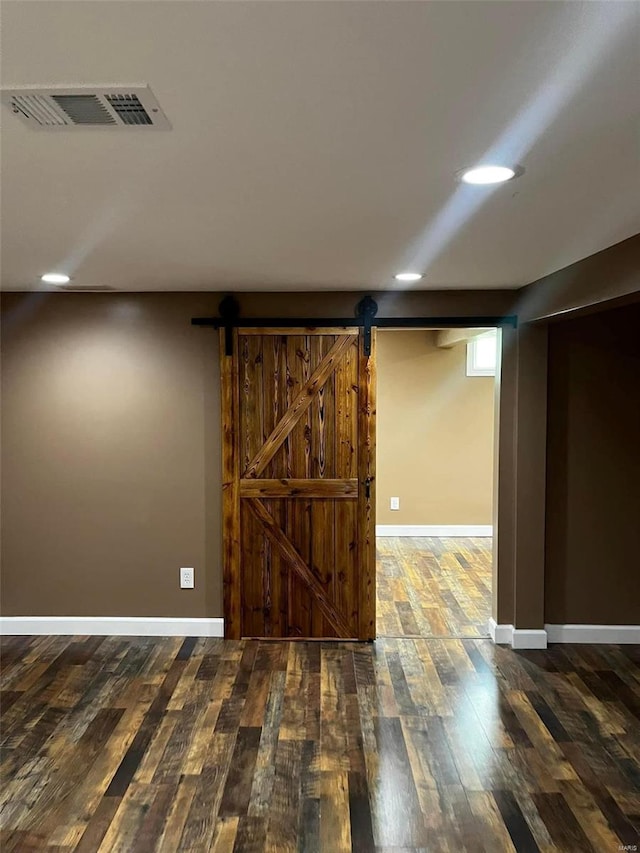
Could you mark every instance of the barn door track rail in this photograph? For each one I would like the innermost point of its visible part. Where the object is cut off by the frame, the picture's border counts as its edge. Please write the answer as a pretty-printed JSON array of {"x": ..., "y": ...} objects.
[{"x": 365, "y": 316}]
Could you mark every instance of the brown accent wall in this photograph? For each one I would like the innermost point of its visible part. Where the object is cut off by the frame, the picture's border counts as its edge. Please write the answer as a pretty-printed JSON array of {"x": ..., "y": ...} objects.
[
  {"x": 110, "y": 456},
  {"x": 435, "y": 433},
  {"x": 593, "y": 470}
]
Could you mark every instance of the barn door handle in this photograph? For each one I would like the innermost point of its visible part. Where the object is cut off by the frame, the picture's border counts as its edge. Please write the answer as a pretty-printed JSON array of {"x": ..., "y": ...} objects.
[{"x": 367, "y": 487}]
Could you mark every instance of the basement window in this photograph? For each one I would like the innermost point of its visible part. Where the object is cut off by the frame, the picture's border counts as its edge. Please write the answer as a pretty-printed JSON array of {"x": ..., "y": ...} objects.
[{"x": 482, "y": 354}]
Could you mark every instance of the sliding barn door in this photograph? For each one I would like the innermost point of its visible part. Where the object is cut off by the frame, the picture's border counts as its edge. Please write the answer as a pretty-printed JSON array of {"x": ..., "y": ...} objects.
[{"x": 298, "y": 415}]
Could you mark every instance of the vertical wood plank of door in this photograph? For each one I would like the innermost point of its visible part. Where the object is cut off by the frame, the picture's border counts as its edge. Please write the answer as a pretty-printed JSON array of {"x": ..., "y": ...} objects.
[
  {"x": 299, "y": 442},
  {"x": 230, "y": 408},
  {"x": 323, "y": 465},
  {"x": 298, "y": 511},
  {"x": 345, "y": 547},
  {"x": 252, "y": 544},
  {"x": 367, "y": 496}
]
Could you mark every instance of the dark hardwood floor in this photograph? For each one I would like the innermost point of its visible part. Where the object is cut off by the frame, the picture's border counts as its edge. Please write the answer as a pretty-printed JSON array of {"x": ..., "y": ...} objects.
[
  {"x": 403, "y": 745},
  {"x": 433, "y": 587}
]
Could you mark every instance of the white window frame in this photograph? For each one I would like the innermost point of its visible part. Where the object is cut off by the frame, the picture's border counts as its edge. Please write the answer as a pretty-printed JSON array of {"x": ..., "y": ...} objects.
[{"x": 472, "y": 370}]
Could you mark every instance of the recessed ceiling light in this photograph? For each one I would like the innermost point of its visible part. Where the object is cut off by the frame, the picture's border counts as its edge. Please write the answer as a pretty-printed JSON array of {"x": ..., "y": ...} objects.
[
  {"x": 489, "y": 174},
  {"x": 408, "y": 276},
  {"x": 55, "y": 278}
]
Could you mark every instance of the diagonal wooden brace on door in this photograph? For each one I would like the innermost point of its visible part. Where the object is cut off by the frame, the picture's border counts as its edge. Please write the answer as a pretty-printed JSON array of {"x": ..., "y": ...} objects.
[
  {"x": 297, "y": 563},
  {"x": 299, "y": 406}
]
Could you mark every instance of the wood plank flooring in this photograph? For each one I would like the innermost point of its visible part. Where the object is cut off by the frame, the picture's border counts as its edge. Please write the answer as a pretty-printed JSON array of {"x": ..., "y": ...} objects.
[
  {"x": 153, "y": 744},
  {"x": 433, "y": 587}
]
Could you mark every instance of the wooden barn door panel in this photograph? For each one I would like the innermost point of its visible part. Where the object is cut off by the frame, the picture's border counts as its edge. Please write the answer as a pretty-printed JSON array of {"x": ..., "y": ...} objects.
[{"x": 298, "y": 484}]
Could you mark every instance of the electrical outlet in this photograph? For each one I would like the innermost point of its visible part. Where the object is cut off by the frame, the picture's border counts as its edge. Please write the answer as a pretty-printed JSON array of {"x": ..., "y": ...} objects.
[
  {"x": 187, "y": 578},
  {"x": 394, "y": 503}
]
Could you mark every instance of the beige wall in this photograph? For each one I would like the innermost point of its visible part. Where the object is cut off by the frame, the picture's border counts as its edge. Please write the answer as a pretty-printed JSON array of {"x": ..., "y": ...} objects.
[
  {"x": 593, "y": 470},
  {"x": 110, "y": 457},
  {"x": 592, "y": 284},
  {"x": 435, "y": 433}
]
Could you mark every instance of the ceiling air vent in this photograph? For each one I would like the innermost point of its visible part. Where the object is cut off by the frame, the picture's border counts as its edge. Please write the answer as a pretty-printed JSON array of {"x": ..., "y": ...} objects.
[
  {"x": 86, "y": 107},
  {"x": 129, "y": 108}
]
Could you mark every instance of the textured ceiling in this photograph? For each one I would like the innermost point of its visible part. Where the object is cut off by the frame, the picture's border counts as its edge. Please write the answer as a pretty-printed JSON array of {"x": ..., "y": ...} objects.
[{"x": 315, "y": 144}]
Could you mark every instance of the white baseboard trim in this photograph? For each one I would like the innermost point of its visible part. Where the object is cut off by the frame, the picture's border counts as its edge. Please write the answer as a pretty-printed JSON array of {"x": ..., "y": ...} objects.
[
  {"x": 517, "y": 638},
  {"x": 614, "y": 634},
  {"x": 446, "y": 530},
  {"x": 107, "y": 626},
  {"x": 529, "y": 638},
  {"x": 500, "y": 634}
]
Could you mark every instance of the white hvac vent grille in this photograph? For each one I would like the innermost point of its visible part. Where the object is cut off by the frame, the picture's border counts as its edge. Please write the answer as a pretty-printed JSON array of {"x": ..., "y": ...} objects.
[
  {"x": 86, "y": 107},
  {"x": 129, "y": 108}
]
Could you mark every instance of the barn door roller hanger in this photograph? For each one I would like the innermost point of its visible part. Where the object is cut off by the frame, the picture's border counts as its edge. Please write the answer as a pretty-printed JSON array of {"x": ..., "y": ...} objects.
[{"x": 365, "y": 316}]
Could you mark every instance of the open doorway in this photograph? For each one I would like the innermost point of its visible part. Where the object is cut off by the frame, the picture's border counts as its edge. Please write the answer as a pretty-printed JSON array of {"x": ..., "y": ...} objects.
[{"x": 435, "y": 474}]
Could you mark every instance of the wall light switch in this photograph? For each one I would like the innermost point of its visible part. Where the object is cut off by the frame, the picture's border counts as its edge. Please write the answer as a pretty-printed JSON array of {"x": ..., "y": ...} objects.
[
  {"x": 187, "y": 580},
  {"x": 394, "y": 503}
]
